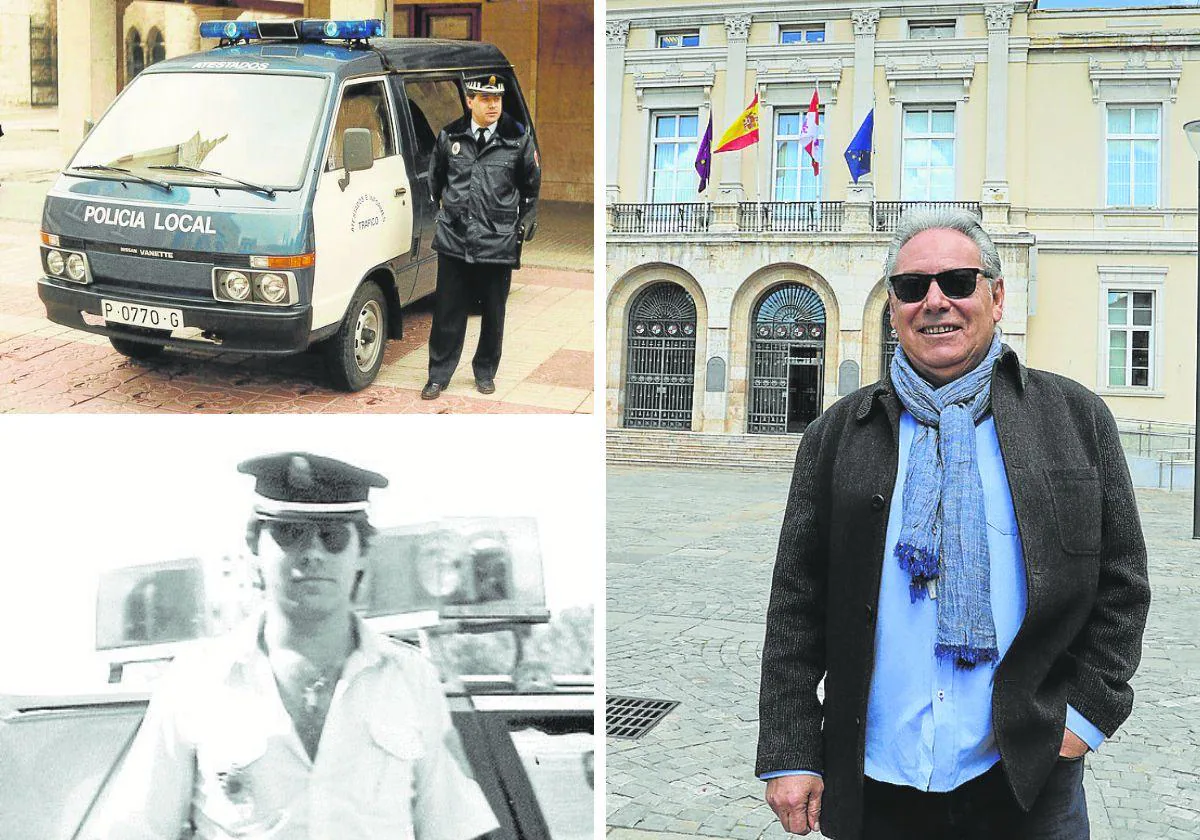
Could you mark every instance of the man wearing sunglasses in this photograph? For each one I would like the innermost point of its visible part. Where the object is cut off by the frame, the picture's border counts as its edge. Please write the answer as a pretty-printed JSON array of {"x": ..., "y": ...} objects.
[
  {"x": 962, "y": 563},
  {"x": 304, "y": 723}
]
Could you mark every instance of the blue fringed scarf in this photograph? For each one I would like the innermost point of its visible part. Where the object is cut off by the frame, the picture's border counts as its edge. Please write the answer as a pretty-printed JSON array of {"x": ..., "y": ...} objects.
[{"x": 943, "y": 535}]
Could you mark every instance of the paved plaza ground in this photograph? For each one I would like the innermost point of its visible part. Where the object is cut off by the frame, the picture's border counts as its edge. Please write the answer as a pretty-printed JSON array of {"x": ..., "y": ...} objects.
[
  {"x": 690, "y": 555},
  {"x": 548, "y": 363}
]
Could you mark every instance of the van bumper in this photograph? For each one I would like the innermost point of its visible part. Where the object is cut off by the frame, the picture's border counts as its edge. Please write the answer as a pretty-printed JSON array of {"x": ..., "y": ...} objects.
[{"x": 248, "y": 329}]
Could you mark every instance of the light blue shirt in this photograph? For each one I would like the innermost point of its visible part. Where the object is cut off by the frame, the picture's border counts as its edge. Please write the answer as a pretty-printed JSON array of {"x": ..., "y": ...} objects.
[{"x": 929, "y": 724}]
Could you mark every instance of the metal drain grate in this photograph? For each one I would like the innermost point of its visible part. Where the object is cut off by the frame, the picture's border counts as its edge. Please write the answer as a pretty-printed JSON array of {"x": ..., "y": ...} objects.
[{"x": 633, "y": 717}]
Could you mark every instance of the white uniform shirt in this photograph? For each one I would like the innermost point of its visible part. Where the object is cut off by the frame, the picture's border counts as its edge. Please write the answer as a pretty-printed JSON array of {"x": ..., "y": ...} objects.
[{"x": 217, "y": 747}]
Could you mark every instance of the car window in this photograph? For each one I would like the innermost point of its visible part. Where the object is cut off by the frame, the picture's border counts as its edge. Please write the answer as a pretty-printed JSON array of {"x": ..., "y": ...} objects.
[
  {"x": 435, "y": 103},
  {"x": 363, "y": 106},
  {"x": 54, "y": 762}
]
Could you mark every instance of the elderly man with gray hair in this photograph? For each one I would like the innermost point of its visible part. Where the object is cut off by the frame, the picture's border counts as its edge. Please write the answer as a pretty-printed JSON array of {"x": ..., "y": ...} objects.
[{"x": 962, "y": 563}]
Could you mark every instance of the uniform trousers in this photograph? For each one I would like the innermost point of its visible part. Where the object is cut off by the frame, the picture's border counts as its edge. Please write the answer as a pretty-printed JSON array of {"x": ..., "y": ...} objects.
[
  {"x": 459, "y": 285},
  {"x": 982, "y": 809}
]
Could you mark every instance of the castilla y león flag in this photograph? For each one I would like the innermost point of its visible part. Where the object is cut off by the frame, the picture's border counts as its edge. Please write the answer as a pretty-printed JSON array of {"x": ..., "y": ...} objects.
[{"x": 743, "y": 132}]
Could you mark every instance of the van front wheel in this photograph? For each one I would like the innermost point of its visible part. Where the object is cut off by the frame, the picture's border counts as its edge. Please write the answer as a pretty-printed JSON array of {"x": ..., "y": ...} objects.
[{"x": 354, "y": 353}]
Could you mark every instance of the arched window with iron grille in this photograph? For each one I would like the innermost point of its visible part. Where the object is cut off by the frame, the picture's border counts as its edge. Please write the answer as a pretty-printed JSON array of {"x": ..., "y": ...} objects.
[
  {"x": 661, "y": 348},
  {"x": 787, "y": 360}
]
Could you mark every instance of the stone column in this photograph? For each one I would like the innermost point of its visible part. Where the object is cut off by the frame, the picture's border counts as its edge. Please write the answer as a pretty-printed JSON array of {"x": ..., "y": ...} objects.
[
  {"x": 616, "y": 34},
  {"x": 87, "y": 66},
  {"x": 737, "y": 31},
  {"x": 857, "y": 218},
  {"x": 995, "y": 198}
]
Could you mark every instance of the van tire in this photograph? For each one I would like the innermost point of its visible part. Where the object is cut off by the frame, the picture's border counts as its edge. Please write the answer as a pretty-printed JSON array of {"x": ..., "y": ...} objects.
[
  {"x": 354, "y": 353},
  {"x": 139, "y": 350}
]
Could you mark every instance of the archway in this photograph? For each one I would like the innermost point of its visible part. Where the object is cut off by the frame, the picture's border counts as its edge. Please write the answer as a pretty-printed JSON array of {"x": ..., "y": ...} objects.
[
  {"x": 661, "y": 358},
  {"x": 787, "y": 360}
]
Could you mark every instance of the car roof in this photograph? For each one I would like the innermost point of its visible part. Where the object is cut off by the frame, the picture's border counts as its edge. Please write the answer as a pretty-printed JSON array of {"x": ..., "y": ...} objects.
[{"x": 401, "y": 54}]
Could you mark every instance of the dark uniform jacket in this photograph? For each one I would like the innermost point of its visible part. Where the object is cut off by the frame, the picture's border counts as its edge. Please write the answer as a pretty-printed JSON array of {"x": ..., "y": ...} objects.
[
  {"x": 1085, "y": 563},
  {"x": 487, "y": 198}
]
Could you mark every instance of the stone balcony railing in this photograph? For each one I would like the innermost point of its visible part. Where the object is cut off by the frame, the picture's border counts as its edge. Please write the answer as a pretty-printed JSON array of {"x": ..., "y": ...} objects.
[{"x": 768, "y": 216}]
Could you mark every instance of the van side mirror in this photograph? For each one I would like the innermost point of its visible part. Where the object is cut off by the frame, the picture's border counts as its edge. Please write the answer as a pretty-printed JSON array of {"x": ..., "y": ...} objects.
[{"x": 357, "y": 153}]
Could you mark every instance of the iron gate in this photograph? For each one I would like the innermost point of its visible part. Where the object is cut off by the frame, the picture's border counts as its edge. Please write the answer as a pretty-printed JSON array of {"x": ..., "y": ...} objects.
[
  {"x": 662, "y": 358},
  {"x": 787, "y": 360},
  {"x": 890, "y": 340}
]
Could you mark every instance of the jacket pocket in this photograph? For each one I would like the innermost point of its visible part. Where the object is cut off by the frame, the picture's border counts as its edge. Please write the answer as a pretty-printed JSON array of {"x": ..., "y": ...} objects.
[
  {"x": 397, "y": 747},
  {"x": 504, "y": 220},
  {"x": 1075, "y": 494}
]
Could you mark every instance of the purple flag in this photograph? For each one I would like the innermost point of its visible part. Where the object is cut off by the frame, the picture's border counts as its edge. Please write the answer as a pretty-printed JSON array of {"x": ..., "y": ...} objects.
[{"x": 704, "y": 157}]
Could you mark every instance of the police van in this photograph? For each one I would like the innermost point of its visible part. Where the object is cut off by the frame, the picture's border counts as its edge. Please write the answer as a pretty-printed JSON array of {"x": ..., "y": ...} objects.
[{"x": 268, "y": 196}]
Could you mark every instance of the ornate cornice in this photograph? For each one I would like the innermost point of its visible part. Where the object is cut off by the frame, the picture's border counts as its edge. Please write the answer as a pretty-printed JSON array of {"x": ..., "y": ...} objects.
[
  {"x": 931, "y": 68},
  {"x": 673, "y": 76},
  {"x": 1137, "y": 68},
  {"x": 826, "y": 74}
]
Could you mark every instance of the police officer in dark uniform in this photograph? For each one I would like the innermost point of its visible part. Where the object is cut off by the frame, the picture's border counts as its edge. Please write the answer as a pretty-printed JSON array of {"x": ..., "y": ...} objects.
[{"x": 485, "y": 174}]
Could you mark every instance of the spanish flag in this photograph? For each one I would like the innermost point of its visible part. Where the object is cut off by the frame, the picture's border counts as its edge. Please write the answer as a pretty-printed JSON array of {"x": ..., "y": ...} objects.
[{"x": 743, "y": 132}]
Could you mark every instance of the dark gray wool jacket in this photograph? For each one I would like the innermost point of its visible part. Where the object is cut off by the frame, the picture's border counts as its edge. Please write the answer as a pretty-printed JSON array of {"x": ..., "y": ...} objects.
[{"x": 1085, "y": 563}]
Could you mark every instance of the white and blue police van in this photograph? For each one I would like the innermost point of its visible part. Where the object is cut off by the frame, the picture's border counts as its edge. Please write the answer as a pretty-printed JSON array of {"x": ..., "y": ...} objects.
[{"x": 268, "y": 196}]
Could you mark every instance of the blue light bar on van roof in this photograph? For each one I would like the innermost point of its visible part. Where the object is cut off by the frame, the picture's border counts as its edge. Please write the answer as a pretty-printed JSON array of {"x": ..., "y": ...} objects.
[
  {"x": 310, "y": 30},
  {"x": 238, "y": 30},
  {"x": 350, "y": 30}
]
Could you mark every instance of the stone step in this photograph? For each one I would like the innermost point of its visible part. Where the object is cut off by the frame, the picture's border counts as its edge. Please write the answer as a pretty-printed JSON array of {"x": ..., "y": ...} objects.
[{"x": 704, "y": 450}]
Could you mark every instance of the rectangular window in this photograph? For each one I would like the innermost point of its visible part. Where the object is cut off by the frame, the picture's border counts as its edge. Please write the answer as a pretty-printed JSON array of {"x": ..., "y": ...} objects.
[
  {"x": 1130, "y": 338},
  {"x": 1132, "y": 140},
  {"x": 673, "y": 158},
  {"x": 928, "y": 155},
  {"x": 681, "y": 38},
  {"x": 813, "y": 33},
  {"x": 919, "y": 30},
  {"x": 793, "y": 176}
]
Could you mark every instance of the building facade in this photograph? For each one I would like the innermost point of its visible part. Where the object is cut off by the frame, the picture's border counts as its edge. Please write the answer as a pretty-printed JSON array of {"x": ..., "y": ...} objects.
[{"x": 752, "y": 306}]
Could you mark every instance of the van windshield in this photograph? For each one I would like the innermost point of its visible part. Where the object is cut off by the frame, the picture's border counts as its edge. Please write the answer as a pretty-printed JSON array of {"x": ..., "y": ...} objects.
[{"x": 256, "y": 127}]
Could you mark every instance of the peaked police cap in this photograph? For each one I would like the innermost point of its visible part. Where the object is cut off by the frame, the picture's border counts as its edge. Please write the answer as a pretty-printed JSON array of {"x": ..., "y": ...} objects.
[{"x": 302, "y": 483}]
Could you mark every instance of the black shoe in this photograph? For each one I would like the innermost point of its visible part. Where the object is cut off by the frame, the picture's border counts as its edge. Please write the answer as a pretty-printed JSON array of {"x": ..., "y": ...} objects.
[
  {"x": 485, "y": 386},
  {"x": 432, "y": 391}
]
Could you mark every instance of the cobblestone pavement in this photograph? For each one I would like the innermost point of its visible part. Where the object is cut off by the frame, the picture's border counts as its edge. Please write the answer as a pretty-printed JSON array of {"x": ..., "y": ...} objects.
[
  {"x": 548, "y": 360},
  {"x": 689, "y": 562}
]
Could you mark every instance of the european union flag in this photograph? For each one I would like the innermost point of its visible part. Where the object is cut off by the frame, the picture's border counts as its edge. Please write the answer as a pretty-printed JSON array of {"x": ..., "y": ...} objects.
[
  {"x": 858, "y": 153},
  {"x": 704, "y": 157}
]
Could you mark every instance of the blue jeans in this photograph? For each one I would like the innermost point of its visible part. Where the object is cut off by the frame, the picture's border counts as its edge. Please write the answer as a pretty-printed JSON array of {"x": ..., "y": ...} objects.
[{"x": 981, "y": 809}]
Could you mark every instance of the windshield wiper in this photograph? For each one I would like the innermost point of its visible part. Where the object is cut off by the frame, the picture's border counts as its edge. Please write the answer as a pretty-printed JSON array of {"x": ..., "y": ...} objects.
[
  {"x": 180, "y": 167},
  {"x": 103, "y": 167}
]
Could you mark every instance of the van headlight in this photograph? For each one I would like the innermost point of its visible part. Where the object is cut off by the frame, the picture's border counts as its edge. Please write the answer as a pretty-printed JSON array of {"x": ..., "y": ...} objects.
[
  {"x": 69, "y": 265},
  {"x": 55, "y": 262},
  {"x": 76, "y": 268},
  {"x": 266, "y": 288},
  {"x": 272, "y": 288},
  {"x": 235, "y": 285}
]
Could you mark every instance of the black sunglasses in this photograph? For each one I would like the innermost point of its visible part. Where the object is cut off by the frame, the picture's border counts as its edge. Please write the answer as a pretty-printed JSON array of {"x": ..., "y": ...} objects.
[
  {"x": 335, "y": 536},
  {"x": 955, "y": 283}
]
